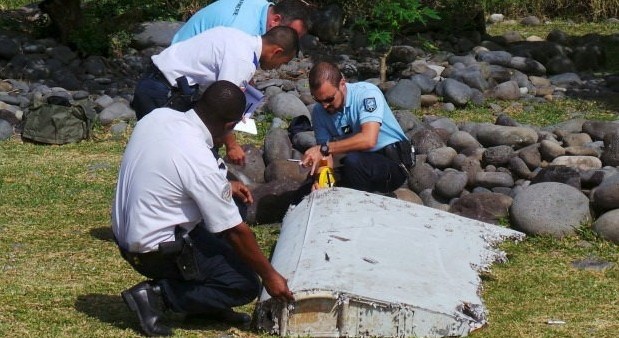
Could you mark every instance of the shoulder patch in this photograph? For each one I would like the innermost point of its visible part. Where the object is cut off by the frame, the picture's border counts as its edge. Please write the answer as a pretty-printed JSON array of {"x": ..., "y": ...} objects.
[
  {"x": 369, "y": 104},
  {"x": 226, "y": 193}
]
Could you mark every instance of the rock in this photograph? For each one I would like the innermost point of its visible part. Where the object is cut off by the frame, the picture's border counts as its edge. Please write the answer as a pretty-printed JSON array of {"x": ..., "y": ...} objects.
[
  {"x": 496, "y": 18},
  {"x": 6, "y": 130},
  {"x": 559, "y": 174},
  {"x": 443, "y": 123},
  {"x": 8, "y": 48},
  {"x": 287, "y": 106},
  {"x": 499, "y": 57},
  {"x": 461, "y": 140},
  {"x": 451, "y": 184},
  {"x": 531, "y": 156},
  {"x": 493, "y": 135},
  {"x": 407, "y": 195},
  {"x": 498, "y": 155},
  {"x": 551, "y": 150},
  {"x": 155, "y": 34},
  {"x": 531, "y": 21},
  {"x": 116, "y": 111},
  {"x": 494, "y": 179},
  {"x": 519, "y": 168},
  {"x": 483, "y": 206},
  {"x": 576, "y": 139},
  {"x": 405, "y": 54},
  {"x": 550, "y": 208},
  {"x": 578, "y": 162},
  {"x": 506, "y": 91},
  {"x": 285, "y": 170},
  {"x": 565, "y": 79},
  {"x": 422, "y": 177},
  {"x": 441, "y": 157},
  {"x": 272, "y": 200},
  {"x": 405, "y": 94},
  {"x": 606, "y": 195},
  {"x": 607, "y": 226},
  {"x": 254, "y": 169},
  {"x": 425, "y": 84},
  {"x": 277, "y": 145},
  {"x": 455, "y": 92},
  {"x": 426, "y": 140},
  {"x": 599, "y": 129},
  {"x": 527, "y": 65},
  {"x": 610, "y": 154},
  {"x": 430, "y": 200}
]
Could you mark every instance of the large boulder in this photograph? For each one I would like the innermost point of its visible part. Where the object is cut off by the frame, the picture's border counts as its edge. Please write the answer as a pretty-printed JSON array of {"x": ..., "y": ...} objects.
[{"x": 550, "y": 208}]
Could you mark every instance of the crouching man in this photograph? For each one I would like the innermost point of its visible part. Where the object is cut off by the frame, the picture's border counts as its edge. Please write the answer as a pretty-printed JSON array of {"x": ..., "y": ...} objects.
[{"x": 175, "y": 220}]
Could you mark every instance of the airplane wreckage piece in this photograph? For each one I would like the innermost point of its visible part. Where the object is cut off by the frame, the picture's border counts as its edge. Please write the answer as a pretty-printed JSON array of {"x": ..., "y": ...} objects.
[{"x": 362, "y": 264}]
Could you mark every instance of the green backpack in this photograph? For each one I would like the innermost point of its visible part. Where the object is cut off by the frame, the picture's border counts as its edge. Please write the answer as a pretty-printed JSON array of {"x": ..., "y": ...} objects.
[{"x": 58, "y": 121}]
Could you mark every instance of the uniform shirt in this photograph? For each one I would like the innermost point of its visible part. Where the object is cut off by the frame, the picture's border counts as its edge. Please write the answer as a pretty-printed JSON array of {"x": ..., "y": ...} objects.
[
  {"x": 364, "y": 103},
  {"x": 168, "y": 177},
  {"x": 221, "y": 53},
  {"x": 249, "y": 16}
]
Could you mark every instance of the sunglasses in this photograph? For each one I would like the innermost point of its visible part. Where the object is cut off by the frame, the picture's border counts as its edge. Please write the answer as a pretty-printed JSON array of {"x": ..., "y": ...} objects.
[{"x": 328, "y": 99}]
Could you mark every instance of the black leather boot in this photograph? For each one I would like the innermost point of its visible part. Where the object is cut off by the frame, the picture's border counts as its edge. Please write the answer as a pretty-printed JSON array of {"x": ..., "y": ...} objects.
[{"x": 144, "y": 299}]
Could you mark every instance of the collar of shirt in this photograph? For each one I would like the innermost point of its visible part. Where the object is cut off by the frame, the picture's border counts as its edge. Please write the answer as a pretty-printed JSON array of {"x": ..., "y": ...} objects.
[{"x": 195, "y": 119}]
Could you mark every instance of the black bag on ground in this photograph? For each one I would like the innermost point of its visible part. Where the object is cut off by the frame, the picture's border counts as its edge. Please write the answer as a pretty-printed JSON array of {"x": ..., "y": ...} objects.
[{"x": 58, "y": 120}]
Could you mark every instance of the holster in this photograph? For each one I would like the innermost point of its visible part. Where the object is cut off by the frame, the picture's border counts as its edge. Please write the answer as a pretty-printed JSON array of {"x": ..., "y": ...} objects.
[
  {"x": 182, "y": 96},
  {"x": 400, "y": 152},
  {"x": 184, "y": 250}
]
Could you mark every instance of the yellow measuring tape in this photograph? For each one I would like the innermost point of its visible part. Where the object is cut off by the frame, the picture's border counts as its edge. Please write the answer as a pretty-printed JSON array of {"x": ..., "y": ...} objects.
[{"x": 326, "y": 178}]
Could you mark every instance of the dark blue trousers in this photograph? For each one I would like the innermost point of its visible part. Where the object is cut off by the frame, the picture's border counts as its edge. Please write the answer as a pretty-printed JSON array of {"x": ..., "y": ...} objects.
[
  {"x": 154, "y": 91},
  {"x": 370, "y": 171},
  {"x": 224, "y": 280},
  {"x": 151, "y": 92}
]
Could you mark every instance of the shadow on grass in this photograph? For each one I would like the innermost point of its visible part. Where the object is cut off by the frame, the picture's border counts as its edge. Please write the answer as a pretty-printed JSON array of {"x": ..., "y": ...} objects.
[
  {"x": 112, "y": 310},
  {"x": 103, "y": 233},
  {"x": 108, "y": 309}
]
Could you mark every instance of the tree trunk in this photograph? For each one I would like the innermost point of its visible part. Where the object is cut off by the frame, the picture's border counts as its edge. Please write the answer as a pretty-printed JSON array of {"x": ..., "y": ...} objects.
[
  {"x": 383, "y": 66},
  {"x": 65, "y": 17}
]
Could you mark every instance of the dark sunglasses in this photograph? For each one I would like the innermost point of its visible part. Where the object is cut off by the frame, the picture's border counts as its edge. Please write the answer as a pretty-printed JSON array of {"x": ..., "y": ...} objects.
[{"x": 327, "y": 100}]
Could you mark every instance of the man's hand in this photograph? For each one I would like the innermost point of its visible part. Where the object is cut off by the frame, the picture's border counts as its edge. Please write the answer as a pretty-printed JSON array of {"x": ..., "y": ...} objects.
[
  {"x": 240, "y": 191},
  {"x": 244, "y": 243},
  {"x": 312, "y": 158},
  {"x": 234, "y": 152},
  {"x": 277, "y": 286}
]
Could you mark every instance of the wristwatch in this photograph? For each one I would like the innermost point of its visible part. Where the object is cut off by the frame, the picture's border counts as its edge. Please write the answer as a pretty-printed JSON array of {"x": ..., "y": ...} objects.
[{"x": 324, "y": 149}]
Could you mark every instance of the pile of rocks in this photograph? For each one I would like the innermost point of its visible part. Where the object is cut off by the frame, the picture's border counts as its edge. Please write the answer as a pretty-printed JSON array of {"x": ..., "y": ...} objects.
[{"x": 545, "y": 180}]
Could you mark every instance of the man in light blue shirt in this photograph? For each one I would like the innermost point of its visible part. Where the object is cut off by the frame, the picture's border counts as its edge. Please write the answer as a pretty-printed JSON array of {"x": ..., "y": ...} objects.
[
  {"x": 354, "y": 120},
  {"x": 255, "y": 17}
]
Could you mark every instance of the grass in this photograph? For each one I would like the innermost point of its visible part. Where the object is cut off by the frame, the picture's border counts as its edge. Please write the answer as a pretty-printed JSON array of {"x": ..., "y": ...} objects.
[{"x": 62, "y": 274}]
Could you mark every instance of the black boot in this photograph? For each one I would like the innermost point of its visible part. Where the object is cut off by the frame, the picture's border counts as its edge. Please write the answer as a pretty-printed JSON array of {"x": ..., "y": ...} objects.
[{"x": 143, "y": 299}]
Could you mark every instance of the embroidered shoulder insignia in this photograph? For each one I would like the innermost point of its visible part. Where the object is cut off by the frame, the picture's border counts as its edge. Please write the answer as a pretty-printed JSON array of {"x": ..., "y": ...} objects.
[
  {"x": 369, "y": 104},
  {"x": 226, "y": 193}
]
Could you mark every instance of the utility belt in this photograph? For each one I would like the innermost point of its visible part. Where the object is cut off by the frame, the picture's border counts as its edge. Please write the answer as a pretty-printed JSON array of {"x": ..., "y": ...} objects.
[
  {"x": 401, "y": 152},
  {"x": 182, "y": 97},
  {"x": 181, "y": 250}
]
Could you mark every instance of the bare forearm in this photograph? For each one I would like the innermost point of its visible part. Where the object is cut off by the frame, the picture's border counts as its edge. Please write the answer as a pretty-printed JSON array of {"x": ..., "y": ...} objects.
[{"x": 244, "y": 243}]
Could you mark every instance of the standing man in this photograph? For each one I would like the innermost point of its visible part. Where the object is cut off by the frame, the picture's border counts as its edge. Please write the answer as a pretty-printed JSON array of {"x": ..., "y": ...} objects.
[
  {"x": 221, "y": 53},
  {"x": 175, "y": 221},
  {"x": 254, "y": 17},
  {"x": 354, "y": 120}
]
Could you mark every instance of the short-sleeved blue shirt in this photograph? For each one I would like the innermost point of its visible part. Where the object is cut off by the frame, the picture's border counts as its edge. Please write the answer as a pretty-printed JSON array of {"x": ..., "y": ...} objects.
[
  {"x": 364, "y": 103},
  {"x": 249, "y": 16}
]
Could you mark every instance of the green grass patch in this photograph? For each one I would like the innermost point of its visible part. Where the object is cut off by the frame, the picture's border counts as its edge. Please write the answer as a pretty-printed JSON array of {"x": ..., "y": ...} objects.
[{"x": 62, "y": 274}]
